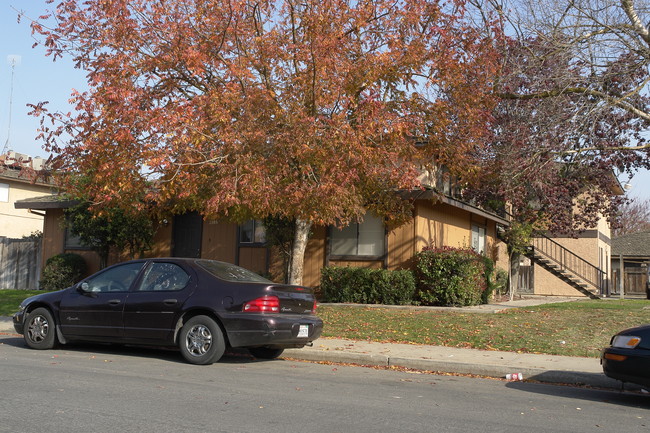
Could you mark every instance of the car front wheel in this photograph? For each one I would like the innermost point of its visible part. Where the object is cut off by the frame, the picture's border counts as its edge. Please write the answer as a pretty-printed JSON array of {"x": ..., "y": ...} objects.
[
  {"x": 265, "y": 352},
  {"x": 201, "y": 341},
  {"x": 39, "y": 331}
]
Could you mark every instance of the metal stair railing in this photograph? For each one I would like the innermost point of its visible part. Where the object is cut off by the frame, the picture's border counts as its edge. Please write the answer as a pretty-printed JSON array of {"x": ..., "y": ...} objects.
[{"x": 569, "y": 261}]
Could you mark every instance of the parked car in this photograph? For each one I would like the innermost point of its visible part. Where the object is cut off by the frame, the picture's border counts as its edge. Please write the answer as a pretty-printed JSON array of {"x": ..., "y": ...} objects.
[
  {"x": 628, "y": 356},
  {"x": 200, "y": 306}
]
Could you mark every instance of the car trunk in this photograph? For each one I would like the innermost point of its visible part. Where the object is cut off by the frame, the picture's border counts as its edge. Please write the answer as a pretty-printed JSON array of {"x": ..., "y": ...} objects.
[{"x": 294, "y": 299}]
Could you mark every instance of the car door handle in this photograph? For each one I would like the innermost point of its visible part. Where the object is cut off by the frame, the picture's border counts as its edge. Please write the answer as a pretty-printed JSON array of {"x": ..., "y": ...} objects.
[
  {"x": 170, "y": 301},
  {"x": 114, "y": 302}
]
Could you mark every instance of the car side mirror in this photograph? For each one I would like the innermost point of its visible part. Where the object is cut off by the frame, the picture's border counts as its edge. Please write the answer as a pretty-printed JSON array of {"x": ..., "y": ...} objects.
[{"x": 83, "y": 287}]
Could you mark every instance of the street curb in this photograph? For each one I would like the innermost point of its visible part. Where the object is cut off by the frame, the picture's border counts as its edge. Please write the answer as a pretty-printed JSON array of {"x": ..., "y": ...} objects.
[
  {"x": 577, "y": 378},
  {"x": 7, "y": 324}
]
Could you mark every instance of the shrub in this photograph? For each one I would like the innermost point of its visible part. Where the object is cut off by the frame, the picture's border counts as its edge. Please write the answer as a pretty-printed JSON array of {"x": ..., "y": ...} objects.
[
  {"x": 367, "y": 286},
  {"x": 490, "y": 280},
  {"x": 450, "y": 276},
  {"x": 501, "y": 281},
  {"x": 62, "y": 270}
]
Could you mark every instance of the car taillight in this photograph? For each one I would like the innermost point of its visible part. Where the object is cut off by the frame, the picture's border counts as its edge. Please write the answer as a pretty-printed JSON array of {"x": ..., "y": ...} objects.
[
  {"x": 313, "y": 309},
  {"x": 265, "y": 304}
]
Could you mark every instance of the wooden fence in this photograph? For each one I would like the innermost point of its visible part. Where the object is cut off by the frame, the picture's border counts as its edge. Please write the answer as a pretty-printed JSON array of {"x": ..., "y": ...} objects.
[
  {"x": 20, "y": 263},
  {"x": 635, "y": 282}
]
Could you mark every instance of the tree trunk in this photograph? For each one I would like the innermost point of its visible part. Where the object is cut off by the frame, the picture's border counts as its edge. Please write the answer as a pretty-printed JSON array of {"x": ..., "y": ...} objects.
[
  {"x": 515, "y": 260},
  {"x": 103, "y": 260},
  {"x": 297, "y": 259}
]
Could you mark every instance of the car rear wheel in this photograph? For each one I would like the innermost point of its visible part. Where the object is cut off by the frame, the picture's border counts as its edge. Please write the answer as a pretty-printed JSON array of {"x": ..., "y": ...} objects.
[
  {"x": 39, "y": 331},
  {"x": 201, "y": 341},
  {"x": 265, "y": 352}
]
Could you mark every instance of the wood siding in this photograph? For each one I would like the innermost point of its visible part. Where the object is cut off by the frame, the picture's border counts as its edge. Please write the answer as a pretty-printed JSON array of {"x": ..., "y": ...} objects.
[
  {"x": 315, "y": 256},
  {"x": 219, "y": 241},
  {"x": 433, "y": 224},
  {"x": 401, "y": 246},
  {"x": 441, "y": 225},
  {"x": 254, "y": 259}
]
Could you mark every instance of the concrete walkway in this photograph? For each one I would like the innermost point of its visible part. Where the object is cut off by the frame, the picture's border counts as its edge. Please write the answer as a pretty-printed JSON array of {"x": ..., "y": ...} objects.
[{"x": 542, "y": 368}]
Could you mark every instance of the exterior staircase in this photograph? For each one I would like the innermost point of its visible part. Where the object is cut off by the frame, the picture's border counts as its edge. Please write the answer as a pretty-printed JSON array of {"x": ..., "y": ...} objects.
[{"x": 569, "y": 267}]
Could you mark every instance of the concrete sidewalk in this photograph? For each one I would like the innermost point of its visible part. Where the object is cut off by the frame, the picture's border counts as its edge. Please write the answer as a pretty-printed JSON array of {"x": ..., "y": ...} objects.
[{"x": 542, "y": 368}]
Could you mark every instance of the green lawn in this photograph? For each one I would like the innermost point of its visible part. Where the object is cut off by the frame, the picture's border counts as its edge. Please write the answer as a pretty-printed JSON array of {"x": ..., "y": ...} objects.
[
  {"x": 10, "y": 299},
  {"x": 579, "y": 328},
  {"x": 574, "y": 328}
]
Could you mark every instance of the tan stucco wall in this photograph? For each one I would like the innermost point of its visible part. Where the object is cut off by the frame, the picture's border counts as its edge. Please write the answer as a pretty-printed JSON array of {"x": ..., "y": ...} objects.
[
  {"x": 16, "y": 223},
  {"x": 593, "y": 246}
]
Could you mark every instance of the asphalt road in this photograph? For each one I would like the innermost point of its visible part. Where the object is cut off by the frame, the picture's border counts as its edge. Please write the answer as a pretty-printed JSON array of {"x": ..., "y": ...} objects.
[{"x": 121, "y": 389}]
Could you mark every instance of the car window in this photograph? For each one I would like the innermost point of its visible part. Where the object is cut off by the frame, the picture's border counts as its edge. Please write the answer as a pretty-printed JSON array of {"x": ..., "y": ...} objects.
[
  {"x": 116, "y": 279},
  {"x": 229, "y": 272},
  {"x": 164, "y": 277}
]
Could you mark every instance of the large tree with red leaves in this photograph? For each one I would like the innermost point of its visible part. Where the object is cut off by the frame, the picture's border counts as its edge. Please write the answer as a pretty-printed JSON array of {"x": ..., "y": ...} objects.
[
  {"x": 574, "y": 110},
  {"x": 573, "y": 114},
  {"x": 307, "y": 110}
]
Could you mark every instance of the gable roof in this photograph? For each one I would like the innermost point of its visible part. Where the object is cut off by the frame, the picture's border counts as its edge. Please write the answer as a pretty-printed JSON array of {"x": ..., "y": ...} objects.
[
  {"x": 633, "y": 244},
  {"x": 45, "y": 202}
]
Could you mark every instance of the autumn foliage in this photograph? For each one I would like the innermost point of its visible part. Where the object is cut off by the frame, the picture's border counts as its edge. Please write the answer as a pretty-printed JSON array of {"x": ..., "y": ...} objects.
[
  {"x": 311, "y": 110},
  {"x": 300, "y": 109}
]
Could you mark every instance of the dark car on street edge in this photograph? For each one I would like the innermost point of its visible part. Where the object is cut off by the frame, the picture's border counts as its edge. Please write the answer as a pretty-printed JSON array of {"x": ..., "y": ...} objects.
[
  {"x": 200, "y": 306},
  {"x": 628, "y": 356}
]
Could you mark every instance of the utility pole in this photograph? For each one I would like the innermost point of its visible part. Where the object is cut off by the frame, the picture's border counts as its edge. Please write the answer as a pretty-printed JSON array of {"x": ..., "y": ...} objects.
[{"x": 13, "y": 60}]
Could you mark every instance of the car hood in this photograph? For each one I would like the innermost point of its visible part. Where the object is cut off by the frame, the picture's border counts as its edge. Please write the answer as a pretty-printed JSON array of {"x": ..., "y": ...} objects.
[
  {"x": 47, "y": 297},
  {"x": 637, "y": 330}
]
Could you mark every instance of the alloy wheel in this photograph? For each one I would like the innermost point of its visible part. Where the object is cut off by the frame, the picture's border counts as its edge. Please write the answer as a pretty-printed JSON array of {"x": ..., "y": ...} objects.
[
  {"x": 38, "y": 329},
  {"x": 199, "y": 340}
]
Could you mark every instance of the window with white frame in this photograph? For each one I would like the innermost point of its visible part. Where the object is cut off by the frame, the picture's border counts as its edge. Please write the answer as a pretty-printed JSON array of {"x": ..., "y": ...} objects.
[
  {"x": 4, "y": 192},
  {"x": 478, "y": 238},
  {"x": 252, "y": 232},
  {"x": 367, "y": 238}
]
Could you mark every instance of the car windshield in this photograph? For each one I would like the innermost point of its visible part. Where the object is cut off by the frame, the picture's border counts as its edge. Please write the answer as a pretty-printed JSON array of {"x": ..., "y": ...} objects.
[{"x": 229, "y": 272}]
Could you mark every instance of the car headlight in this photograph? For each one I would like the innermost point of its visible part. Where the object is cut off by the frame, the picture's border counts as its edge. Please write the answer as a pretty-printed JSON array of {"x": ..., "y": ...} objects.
[{"x": 625, "y": 341}]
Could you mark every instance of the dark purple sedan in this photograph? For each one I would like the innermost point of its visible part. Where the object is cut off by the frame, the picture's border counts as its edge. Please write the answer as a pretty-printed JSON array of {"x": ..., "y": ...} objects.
[
  {"x": 628, "y": 356},
  {"x": 201, "y": 306}
]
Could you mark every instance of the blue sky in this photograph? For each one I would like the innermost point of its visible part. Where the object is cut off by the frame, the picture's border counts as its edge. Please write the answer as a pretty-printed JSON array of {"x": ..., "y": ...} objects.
[{"x": 38, "y": 78}]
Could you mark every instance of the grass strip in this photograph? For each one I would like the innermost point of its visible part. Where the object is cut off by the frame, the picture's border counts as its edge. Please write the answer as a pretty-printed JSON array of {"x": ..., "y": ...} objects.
[{"x": 580, "y": 328}]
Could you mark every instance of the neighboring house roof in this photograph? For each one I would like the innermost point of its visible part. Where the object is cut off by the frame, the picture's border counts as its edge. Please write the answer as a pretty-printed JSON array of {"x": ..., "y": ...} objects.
[
  {"x": 19, "y": 175},
  {"x": 633, "y": 244},
  {"x": 46, "y": 202},
  {"x": 25, "y": 169}
]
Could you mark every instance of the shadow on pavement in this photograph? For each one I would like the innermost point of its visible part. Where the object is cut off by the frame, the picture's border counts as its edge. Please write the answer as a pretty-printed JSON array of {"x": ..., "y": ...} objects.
[
  {"x": 232, "y": 356},
  {"x": 620, "y": 398}
]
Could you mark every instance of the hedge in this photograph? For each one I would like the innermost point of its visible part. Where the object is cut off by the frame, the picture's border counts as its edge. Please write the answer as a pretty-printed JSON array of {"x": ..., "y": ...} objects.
[{"x": 367, "y": 286}]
